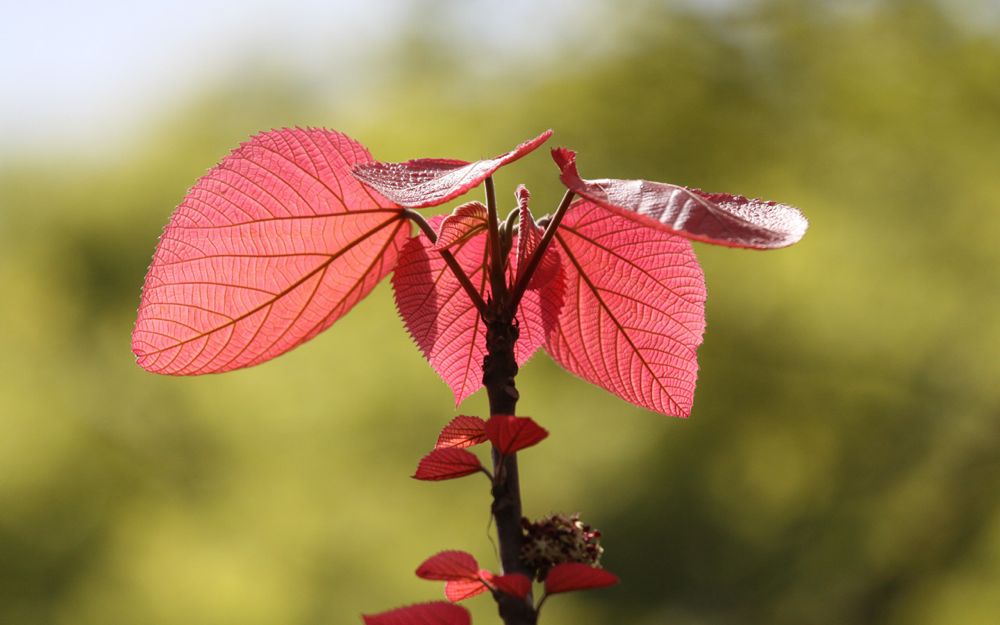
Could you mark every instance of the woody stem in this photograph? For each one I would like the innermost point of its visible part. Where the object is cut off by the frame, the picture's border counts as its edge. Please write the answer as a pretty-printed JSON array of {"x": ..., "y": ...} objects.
[{"x": 499, "y": 371}]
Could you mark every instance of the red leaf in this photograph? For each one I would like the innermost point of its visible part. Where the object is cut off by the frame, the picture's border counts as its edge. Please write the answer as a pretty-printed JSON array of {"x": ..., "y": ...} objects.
[
  {"x": 460, "y": 590},
  {"x": 449, "y": 565},
  {"x": 512, "y": 434},
  {"x": 447, "y": 464},
  {"x": 443, "y": 320},
  {"x": 718, "y": 218},
  {"x": 463, "y": 222},
  {"x": 529, "y": 236},
  {"x": 431, "y": 181},
  {"x": 434, "y": 613},
  {"x": 638, "y": 309},
  {"x": 266, "y": 250},
  {"x": 514, "y": 584},
  {"x": 574, "y": 576},
  {"x": 462, "y": 431}
]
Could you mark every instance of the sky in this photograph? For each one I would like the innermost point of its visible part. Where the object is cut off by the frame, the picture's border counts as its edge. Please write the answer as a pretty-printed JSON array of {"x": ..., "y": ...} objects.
[
  {"x": 79, "y": 72},
  {"x": 86, "y": 71}
]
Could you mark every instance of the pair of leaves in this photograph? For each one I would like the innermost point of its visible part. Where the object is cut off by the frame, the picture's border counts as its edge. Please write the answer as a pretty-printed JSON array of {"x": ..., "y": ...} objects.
[
  {"x": 294, "y": 227},
  {"x": 464, "y": 579},
  {"x": 450, "y": 460}
]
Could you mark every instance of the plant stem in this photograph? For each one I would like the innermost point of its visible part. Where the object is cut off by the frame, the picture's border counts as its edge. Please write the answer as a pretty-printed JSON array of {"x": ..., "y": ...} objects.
[
  {"x": 499, "y": 371},
  {"x": 498, "y": 280}
]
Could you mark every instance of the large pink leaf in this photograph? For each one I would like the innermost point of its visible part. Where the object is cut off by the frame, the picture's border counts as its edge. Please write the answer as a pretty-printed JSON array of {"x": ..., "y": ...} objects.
[
  {"x": 431, "y": 181},
  {"x": 268, "y": 249},
  {"x": 434, "y": 613},
  {"x": 449, "y": 565},
  {"x": 718, "y": 218},
  {"x": 574, "y": 576},
  {"x": 443, "y": 320},
  {"x": 634, "y": 312}
]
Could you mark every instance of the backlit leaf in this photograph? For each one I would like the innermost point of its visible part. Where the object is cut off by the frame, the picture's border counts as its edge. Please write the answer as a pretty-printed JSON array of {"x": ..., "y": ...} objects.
[
  {"x": 447, "y": 464},
  {"x": 574, "y": 576},
  {"x": 462, "y": 589},
  {"x": 449, "y": 565},
  {"x": 462, "y": 431},
  {"x": 463, "y": 222},
  {"x": 718, "y": 218},
  {"x": 431, "y": 181},
  {"x": 434, "y": 613},
  {"x": 443, "y": 320},
  {"x": 634, "y": 312},
  {"x": 268, "y": 249},
  {"x": 511, "y": 434}
]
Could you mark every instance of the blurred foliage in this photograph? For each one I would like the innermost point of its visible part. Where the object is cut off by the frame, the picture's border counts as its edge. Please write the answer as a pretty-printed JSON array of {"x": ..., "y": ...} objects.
[{"x": 843, "y": 461}]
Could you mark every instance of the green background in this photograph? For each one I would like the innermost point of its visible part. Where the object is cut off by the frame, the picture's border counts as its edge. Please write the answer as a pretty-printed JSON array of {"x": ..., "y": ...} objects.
[{"x": 842, "y": 464}]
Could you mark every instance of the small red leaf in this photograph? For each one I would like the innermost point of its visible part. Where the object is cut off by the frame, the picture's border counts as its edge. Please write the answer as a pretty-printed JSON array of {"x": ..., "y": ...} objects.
[
  {"x": 462, "y": 589},
  {"x": 461, "y": 432},
  {"x": 514, "y": 584},
  {"x": 574, "y": 576},
  {"x": 431, "y": 181},
  {"x": 511, "y": 434},
  {"x": 266, "y": 251},
  {"x": 529, "y": 236},
  {"x": 434, "y": 613},
  {"x": 449, "y": 565},
  {"x": 465, "y": 221},
  {"x": 447, "y": 464},
  {"x": 639, "y": 312},
  {"x": 718, "y": 218}
]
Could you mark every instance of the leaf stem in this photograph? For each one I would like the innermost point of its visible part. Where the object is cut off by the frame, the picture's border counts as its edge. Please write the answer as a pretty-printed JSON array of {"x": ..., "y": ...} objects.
[
  {"x": 449, "y": 259},
  {"x": 497, "y": 280},
  {"x": 536, "y": 258}
]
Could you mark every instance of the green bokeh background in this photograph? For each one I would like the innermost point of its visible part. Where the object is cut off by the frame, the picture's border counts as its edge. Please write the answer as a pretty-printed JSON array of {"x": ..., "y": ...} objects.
[{"x": 842, "y": 464}]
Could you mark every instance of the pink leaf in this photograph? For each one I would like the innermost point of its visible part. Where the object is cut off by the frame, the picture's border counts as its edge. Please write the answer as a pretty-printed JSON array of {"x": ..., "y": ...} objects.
[
  {"x": 449, "y": 565},
  {"x": 511, "y": 434},
  {"x": 574, "y": 576},
  {"x": 514, "y": 584},
  {"x": 443, "y": 320},
  {"x": 636, "y": 309},
  {"x": 529, "y": 236},
  {"x": 434, "y": 613},
  {"x": 447, "y": 464},
  {"x": 463, "y": 222},
  {"x": 431, "y": 181},
  {"x": 462, "y": 431},
  {"x": 718, "y": 218},
  {"x": 460, "y": 590},
  {"x": 267, "y": 250}
]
